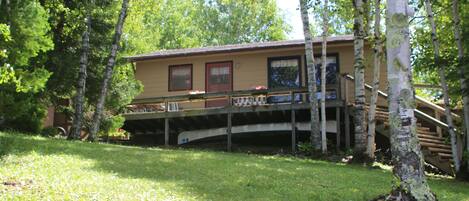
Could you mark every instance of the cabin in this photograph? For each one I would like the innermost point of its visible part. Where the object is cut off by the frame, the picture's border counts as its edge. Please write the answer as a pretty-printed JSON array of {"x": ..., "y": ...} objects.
[{"x": 231, "y": 92}]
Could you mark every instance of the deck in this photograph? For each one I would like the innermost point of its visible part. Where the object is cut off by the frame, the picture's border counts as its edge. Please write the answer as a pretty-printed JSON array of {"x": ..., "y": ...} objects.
[{"x": 248, "y": 108}]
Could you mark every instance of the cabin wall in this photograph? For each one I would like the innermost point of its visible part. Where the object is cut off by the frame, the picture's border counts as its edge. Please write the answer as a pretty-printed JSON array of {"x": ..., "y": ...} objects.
[{"x": 249, "y": 69}]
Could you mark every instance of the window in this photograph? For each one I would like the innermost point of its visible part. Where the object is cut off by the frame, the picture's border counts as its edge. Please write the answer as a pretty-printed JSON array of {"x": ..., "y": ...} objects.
[
  {"x": 284, "y": 72},
  {"x": 332, "y": 68},
  {"x": 180, "y": 77}
]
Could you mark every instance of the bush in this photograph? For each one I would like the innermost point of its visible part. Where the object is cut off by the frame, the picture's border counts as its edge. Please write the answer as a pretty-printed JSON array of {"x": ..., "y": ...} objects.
[
  {"x": 305, "y": 147},
  {"x": 50, "y": 132},
  {"x": 110, "y": 126}
]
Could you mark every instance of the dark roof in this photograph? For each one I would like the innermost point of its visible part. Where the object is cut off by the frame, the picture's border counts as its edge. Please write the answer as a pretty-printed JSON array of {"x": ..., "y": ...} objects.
[{"x": 234, "y": 48}]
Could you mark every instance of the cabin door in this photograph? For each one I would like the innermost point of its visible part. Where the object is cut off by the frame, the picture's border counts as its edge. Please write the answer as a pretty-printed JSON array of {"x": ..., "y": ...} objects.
[{"x": 218, "y": 78}]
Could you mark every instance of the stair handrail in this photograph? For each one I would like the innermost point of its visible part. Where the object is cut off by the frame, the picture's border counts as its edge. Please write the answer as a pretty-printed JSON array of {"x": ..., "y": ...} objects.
[
  {"x": 418, "y": 113},
  {"x": 418, "y": 99}
]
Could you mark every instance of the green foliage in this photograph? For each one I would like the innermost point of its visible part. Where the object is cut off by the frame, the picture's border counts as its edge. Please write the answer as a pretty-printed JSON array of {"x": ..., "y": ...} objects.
[
  {"x": 21, "y": 111},
  {"x": 426, "y": 70},
  {"x": 49, "y": 132},
  {"x": 104, "y": 172},
  {"x": 154, "y": 25},
  {"x": 110, "y": 125},
  {"x": 305, "y": 147}
]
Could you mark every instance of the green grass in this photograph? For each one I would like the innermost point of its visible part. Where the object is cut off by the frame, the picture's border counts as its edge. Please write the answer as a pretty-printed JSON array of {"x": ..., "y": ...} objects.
[{"x": 54, "y": 169}]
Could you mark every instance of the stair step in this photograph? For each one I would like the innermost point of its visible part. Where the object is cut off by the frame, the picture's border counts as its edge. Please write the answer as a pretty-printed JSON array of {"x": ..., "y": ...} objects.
[
  {"x": 439, "y": 150},
  {"x": 425, "y": 136},
  {"x": 445, "y": 156},
  {"x": 420, "y": 128},
  {"x": 431, "y": 141},
  {"x": 426, "y": 132},
  {"x": 435, "y": 145}
]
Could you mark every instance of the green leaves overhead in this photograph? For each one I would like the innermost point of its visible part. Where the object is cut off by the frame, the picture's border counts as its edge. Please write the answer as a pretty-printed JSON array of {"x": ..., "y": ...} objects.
[{"x": 159, "y": 24}]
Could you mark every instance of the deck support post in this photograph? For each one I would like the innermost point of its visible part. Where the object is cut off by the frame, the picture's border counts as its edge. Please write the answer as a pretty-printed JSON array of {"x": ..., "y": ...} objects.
[
  {"x": 293, "y": 124},
  {"x": 346, "y": 116},
  {"x": 228, "y": 127},
  {"x": 338, "y": 129},
  {"x": 166, "y": 132},
  {"x": 166, "y": 125}
]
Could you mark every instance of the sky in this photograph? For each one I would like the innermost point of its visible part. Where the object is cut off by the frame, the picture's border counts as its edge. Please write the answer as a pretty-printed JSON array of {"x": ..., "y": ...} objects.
[{"x": 292, "y": 17}]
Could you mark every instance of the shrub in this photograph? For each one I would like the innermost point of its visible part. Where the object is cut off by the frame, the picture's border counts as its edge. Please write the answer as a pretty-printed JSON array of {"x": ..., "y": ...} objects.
[
  {"x": 110, "y": 126},
  {"x": 50, "y": 132}
]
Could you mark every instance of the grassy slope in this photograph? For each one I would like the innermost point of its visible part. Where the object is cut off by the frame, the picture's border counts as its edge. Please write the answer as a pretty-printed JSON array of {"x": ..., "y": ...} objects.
[{"x": 52, "y": 169}]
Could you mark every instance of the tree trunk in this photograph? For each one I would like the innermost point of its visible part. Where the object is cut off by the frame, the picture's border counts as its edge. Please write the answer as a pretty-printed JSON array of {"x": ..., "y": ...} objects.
[
  {"x": 315, "y": 130},
  {"x": 370, "y": 148},
  {"x": 405, "y": 148},
  {"x": 444, "y": 86},
  {"x": 81, "y": 85},
  {"x": 323, "y": 77},
  {"x": 108, "y": 71},
  {"x": 359, "y": 67},
  {"x": 461, "y": 64}
]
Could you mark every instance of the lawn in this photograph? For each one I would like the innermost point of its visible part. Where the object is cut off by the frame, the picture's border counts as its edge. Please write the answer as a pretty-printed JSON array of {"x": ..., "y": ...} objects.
[{"x": 36, "y": 168}]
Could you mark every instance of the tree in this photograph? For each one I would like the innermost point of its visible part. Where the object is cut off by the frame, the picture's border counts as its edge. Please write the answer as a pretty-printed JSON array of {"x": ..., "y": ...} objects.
[
  {"x": 461, "y": 64},
  {"x": 325, "y": 28},
  {"x": 406, "y": 154},
  {"x": 108, "y": 71},
  {"x": 370, "y": 148},
  {"x": 156, "y": 25},
  {"x": 315, "y": 129},
  {"x": 359, "y": 68},
  {"x": 23, "y": 36},
  {"x": 444, "y": 85},
  {"x": 81, "y": 85}
]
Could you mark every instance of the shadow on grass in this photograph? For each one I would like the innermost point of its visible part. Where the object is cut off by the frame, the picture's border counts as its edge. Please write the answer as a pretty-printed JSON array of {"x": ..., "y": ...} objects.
[{"x": 215, "y": 175}]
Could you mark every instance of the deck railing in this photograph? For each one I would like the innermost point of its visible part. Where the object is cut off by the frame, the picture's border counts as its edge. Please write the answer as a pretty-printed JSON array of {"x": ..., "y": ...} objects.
[
  {"x": 434, "y": 118},
  {"x": 239, "y": 98}
]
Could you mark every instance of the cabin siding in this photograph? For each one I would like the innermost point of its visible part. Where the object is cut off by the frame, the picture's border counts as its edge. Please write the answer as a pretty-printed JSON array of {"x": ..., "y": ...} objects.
[{"x": 249, "y": 69}]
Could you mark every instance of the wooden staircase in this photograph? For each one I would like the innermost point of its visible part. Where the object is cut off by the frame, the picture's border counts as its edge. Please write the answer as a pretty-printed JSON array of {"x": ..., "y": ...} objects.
[{"x": 436, "y": 150}]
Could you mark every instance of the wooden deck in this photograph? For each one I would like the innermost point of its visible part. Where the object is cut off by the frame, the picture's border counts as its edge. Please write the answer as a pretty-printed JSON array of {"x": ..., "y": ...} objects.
[{"x": 155, "y": 113}]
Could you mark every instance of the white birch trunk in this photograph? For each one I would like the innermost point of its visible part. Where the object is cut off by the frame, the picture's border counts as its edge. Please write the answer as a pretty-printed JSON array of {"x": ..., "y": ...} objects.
[
  {"x": 359, "y": 68},
  {"x": 315, "y": 129},
  {"x": 444, "y": 85},
  {"x": 406, "y": 153},
  {"x": 461, "y": 64},
  {"x": 323, "y": 77},
  {"x": 108, "y": 71},
  {"x": 81, "y": 85},
  {"x": 370, "y": 148}
]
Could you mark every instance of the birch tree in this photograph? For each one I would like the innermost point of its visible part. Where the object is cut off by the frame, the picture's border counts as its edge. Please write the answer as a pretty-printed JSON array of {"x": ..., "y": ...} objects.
[
  {"x": 108, "y": 71},
  {"x": 405, "y": 148},
  {"x": 315, "y": 133},
  {"x": 444, "y": 85},
  {"x": 81, "y": 84},
  {"x": 370, "y": 148},
  {"x": 359, "y": 68},
  {"x": 462, "y": 65},
  {"x": 325, "y": 28}
]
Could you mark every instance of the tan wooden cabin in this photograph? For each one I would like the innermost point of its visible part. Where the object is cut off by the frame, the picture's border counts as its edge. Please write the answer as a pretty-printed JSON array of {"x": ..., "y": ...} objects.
[{"x": 199, "y": 93}]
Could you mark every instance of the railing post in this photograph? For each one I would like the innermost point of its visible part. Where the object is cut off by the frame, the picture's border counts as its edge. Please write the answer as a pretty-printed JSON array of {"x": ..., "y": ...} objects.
[
  {"x": 438, "y": 129},
  {"x": 228, "y": 127},
  {"x": 166, "y": 124},
  {"x": 293, "y": 123}
]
